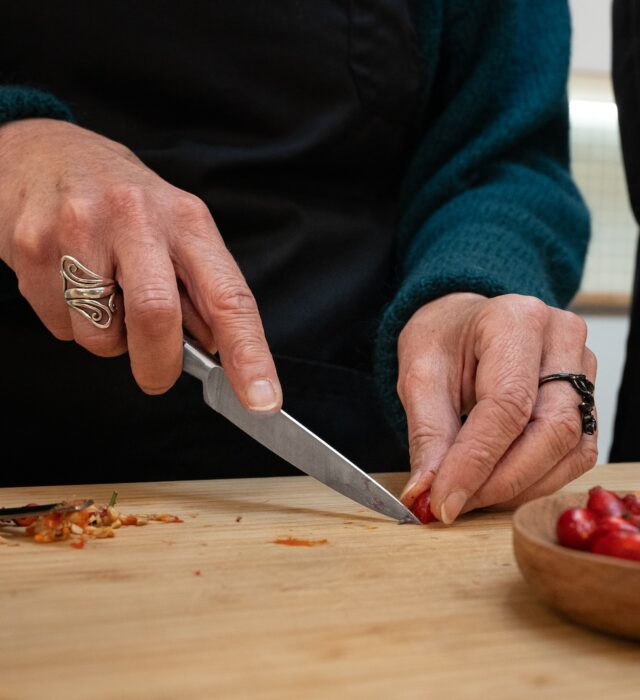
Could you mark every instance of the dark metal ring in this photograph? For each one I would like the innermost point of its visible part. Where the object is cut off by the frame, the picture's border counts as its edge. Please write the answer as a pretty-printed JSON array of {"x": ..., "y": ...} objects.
[{"x": 585, "y": 388}]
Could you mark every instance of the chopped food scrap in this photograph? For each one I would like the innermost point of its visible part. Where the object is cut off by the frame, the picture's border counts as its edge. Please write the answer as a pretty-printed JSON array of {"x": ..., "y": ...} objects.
[
  {"x": 295, "y": 542},
  {"x": 93, "y": 522},
  {"x": 239, "y": 518}
]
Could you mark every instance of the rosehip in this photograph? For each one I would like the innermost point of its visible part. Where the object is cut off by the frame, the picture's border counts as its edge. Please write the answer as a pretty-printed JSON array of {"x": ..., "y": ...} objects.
[
  {"x": 421, "y": 508},
  {"x": 634, "y": 520},
  {"x": 612, "y": 524},
  {"x": 576, "y": 528},
  {"x": 603, "y": 503},
  {"x": 625, "y": 545},
  {"x": 632, "y": 503}
]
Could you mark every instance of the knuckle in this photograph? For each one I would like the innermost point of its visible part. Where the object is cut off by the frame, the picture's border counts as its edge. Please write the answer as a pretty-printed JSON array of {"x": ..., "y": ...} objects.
[
  {"x": 190, "y": 208},
  {"x": 575, "y": 325},
  {"x": 479, "y": 456},
  {"x": 567, "y": 430},
  {"x": 512, "y": 409},
  {"x": 409, "y": 383},
  {"x": 562, "y": 432},
  {"x": 421, "y": 435},
  {"x": 30, "y": 247},
  {"x": 427, "y": 444},
  {"x": 588, "y": 457},
  {"x": 246, "y": 351},
  {"x": 504, "y": 490},
  {"x": 422, "y": 374},
  {"x": 76, "y": 216},
  {"x": 512, "y": 487},
  {"x": 523, "y": 307},
  {"x": 591, "y": 362},
  {"x": 127, "y": 199},
  {"x": 533, "y": 312},
  {"x": 584, "y": 460},
  {"x": 152, "y": 310},
  {"x": 232, "y": 296}
]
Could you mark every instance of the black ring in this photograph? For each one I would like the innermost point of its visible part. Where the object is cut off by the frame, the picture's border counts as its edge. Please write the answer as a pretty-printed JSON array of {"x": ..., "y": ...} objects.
[{"x": 585, "y": 388}]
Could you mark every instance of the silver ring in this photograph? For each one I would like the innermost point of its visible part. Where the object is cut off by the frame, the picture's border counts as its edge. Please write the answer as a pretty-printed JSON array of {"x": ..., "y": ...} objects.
[{"x": 88, "y": 293}]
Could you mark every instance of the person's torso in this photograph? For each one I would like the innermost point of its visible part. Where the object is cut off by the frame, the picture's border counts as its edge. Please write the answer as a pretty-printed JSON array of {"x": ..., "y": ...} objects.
[{"x": 290, "y": 120}]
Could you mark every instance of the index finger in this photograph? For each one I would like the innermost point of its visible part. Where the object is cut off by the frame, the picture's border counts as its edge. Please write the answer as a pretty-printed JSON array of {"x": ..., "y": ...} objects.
[
  {"x": 506, "y": 388},
  {"x": 219, "y": 292}
]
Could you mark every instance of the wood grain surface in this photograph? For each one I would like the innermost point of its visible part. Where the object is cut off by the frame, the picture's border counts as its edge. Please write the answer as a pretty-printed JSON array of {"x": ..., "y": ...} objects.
[{"x": 212, "y": 608}]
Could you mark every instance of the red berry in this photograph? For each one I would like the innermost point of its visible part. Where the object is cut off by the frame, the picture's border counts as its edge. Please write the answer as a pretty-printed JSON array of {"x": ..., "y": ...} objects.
[
  {"x": 576, "y": 528},
  {"x": 632, "y": 503},
  {"x": 634, "y": 520},
  {"x": 624, "y": 545},
  {"x": 603, "y": 503},
  {"x": 612, "y": 524},
  {"x": 421, "y": 508}
]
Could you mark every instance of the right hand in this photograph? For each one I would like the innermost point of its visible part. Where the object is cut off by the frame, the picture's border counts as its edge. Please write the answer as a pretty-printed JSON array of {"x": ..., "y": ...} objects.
[{"x": 68, "y": 191}]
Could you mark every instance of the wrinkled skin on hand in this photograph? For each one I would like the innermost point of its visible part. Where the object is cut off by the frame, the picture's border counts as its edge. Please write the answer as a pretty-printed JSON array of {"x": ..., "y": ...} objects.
[
  {"x": 464, "y": 354},
  {"x": 68, "y": 191}
]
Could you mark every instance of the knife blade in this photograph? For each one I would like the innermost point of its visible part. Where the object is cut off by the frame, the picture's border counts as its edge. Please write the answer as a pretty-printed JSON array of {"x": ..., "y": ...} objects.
[
  {"x": 24, "y": 511},
  {"x": 286, "y": 437}
]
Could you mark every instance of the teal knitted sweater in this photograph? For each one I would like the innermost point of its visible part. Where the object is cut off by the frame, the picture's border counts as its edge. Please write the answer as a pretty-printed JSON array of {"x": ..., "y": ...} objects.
[{"x": 488, "y": 202}]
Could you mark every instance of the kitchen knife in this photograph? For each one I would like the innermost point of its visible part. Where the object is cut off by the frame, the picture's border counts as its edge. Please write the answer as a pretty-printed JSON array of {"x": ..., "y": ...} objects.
[
  {"x": 35, "y": 510},
  {"x": 289, "y": 439}
]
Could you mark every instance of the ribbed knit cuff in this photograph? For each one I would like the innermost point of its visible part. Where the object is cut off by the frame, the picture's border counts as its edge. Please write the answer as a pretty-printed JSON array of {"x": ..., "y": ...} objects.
[{"x": 17, "y": 102}]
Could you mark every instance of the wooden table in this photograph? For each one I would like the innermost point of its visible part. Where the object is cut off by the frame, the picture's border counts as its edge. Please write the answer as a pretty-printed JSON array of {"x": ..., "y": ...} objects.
[{"x": 212, "y": 608}]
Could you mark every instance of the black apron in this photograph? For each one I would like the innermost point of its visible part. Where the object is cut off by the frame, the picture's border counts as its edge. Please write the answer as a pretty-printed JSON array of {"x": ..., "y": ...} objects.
[
  {"x": 626, "y": 78},
  {"x": 293, "y": 122}
]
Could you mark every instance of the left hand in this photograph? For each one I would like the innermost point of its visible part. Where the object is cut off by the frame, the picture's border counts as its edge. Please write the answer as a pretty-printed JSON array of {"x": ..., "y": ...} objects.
[{"x": 464, "y": 354}]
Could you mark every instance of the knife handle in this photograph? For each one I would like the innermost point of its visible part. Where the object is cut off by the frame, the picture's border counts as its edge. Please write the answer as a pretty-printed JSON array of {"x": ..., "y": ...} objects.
[{"x": 196, "y": 361}]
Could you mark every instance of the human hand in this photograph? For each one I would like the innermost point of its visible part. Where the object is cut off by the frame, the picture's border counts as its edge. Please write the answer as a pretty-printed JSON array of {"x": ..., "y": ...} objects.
[
  {"x": 68, "y": 191},
  {"x": 464, "y": 354}
]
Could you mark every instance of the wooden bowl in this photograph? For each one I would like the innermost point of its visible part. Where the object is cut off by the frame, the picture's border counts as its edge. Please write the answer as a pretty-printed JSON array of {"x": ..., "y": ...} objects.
[{"x": 594, "y": 590}]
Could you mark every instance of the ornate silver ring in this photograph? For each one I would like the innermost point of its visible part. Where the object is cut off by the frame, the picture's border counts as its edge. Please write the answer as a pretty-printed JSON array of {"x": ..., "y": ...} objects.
[{"x": 88, "y": 293}]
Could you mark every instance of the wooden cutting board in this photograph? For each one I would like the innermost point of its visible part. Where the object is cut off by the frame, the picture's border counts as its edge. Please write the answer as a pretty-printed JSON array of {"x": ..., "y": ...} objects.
[{"x": 214, "y": 608}]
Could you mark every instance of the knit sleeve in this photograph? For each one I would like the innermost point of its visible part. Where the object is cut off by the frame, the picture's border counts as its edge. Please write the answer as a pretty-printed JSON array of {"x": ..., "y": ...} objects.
[
  {"x": 488, "y": 204},
  {"x": 18, "y": 102}
]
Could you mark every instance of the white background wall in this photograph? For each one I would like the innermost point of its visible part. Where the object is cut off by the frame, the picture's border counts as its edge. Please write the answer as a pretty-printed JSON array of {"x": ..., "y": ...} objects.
[
  {"x": 607, "y": 339},
  {"x": 591, "y": 49},
  {"x": 591, "y": 53}
]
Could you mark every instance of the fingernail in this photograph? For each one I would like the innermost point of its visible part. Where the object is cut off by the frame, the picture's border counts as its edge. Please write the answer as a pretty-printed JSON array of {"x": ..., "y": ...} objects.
[
  {"x": 261, "y": 396},
  {"x": 452, "y": 506},
  {"x": 413, "y": 480}
]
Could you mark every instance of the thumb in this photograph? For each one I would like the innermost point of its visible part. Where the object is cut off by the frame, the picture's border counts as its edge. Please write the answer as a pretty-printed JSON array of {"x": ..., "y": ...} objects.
[{"x": 433, "y": 423}]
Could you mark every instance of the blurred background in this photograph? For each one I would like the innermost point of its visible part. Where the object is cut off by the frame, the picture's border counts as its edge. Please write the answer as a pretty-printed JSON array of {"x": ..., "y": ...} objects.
[{"x": 605, "y": 293}]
